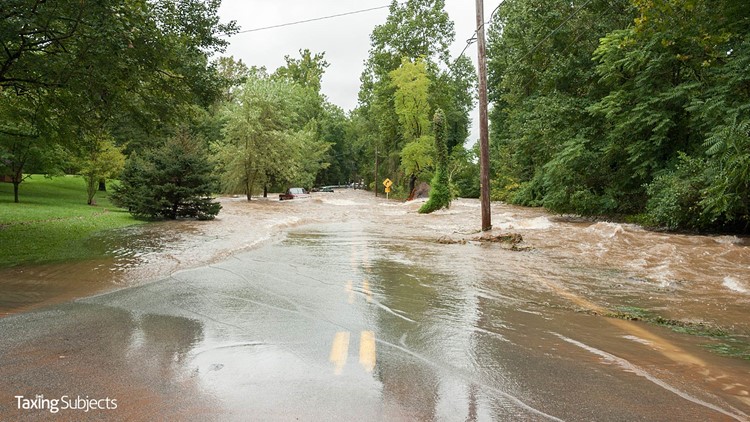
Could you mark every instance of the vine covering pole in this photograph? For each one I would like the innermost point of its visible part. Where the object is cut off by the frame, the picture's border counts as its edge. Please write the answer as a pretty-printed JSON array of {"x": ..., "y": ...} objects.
[{"x": 484, "y": 142}]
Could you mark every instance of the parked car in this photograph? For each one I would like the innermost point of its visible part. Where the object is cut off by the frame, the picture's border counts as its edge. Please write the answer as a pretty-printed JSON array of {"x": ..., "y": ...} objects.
[
  {"x": 293, "y": 193},
  {"x": 326, "y": 189}
]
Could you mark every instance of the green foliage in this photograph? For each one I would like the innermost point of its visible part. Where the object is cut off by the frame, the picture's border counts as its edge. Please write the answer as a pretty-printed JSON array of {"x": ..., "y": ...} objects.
[
  {"x": 727, "y": 194},
  {"x": 440, "y": 194},
  {"x": 674, "y": 195},
  {"x": 417, "y": 156},
  {"x": 463, "y": 172},
  {"x": 307, "y": 71},
  {"x": 101, "y": 159},
  {"x": 409, "y": 57},
  {"x": 173, "y": 181},
  {"x": 336, "y": 129},
  {"x": 130, "y": 69},
  {"x": 271, "y": 137},
  {"x": 410, "y": 101},
  {"x": 620, "y": 107}
]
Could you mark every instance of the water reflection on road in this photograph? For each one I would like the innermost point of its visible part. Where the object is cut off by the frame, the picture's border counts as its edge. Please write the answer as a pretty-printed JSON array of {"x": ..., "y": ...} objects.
[{"x": 361, "y": 314}]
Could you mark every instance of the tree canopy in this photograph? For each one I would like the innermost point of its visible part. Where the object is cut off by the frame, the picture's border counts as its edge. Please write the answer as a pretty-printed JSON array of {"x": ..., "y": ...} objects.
[{"x": 623, "y": 107}]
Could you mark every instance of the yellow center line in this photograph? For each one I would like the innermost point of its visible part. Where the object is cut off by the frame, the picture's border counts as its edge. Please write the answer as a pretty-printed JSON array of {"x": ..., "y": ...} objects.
[
  {"x": 366, "y": 288},
  {"x": 339, "y": 351},
  {"x": 367, "y": 350},
  {"x": 350, "y": 290}
]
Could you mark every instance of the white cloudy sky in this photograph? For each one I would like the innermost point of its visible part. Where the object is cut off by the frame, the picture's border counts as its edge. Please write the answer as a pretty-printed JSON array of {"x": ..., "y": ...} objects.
[{"x": 345, "y": 40}]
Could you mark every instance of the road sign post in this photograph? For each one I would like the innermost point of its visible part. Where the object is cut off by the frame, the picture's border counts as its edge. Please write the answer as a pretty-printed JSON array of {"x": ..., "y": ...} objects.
[{"x": 387, "y": 183}]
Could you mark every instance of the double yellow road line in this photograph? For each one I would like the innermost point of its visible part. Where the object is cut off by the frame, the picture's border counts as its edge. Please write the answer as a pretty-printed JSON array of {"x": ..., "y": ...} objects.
[{"x": 340, "y": 351}]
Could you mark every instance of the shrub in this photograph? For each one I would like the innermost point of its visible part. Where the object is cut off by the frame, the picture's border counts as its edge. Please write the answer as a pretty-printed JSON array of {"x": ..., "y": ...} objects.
[{"x": 173, "y": 181}]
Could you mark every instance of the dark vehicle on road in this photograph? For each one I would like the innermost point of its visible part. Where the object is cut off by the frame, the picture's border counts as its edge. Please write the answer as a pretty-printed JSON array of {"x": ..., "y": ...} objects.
[{"x": 293, "y": 193}]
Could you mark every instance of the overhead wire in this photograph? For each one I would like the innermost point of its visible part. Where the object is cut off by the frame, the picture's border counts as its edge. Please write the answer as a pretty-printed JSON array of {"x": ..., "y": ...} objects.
[
  {"x": 281, "y": 25},
  {"x": 473, "y": 37}
]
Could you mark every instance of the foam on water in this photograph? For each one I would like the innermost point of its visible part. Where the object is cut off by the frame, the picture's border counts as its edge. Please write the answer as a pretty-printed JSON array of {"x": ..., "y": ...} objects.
[
  {"x": 342, "y": 202},
  {"x": 538, "y": 223},
  {"x": 734, "y": 285}
]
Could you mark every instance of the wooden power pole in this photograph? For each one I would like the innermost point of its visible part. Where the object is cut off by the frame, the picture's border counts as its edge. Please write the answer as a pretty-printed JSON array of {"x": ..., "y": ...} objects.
[
  {"x": 484, "y": 139},
  {"x": 376, "y": 170}
]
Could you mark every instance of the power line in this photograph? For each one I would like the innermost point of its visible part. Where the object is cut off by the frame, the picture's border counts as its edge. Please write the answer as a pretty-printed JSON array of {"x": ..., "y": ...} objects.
[
  {"x": 473, "y": 37},
  {"x": 312, "y": 20}
]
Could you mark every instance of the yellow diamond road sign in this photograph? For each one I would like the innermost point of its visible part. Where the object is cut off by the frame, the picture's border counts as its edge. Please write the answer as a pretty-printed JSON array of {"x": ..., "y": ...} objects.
[{"x": 387, "y": 183}]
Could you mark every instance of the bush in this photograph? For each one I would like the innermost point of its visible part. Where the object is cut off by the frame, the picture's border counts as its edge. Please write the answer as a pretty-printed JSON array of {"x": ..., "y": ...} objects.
[
  {"x": 674, "y": 196},
  {"x": 173, "y": 181}
]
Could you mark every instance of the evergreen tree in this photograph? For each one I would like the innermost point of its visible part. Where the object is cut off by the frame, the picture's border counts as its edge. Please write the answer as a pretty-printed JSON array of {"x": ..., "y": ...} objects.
[{"x": 175, "y": 180}]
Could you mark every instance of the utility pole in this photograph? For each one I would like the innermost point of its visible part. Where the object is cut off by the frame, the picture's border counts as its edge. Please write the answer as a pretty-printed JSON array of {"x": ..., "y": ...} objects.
[
  {"x": 376, "y": 170},
  {"x": 484, "y": 132}
]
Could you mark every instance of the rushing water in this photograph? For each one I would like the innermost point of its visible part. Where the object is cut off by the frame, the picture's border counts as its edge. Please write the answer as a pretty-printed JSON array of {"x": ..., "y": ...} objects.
[{"x": 272, "y": 294}]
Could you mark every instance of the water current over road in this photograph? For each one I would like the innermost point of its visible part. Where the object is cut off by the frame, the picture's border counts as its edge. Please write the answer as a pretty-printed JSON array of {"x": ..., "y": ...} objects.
[{"x": 348, "y": 307}]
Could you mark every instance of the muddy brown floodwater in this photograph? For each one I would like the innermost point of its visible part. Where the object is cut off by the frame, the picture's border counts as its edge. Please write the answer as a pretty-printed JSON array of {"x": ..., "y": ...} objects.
[{"x": 349, "y": 306}]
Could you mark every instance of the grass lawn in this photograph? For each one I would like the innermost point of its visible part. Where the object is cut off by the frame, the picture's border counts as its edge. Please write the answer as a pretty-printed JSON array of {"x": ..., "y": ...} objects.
[{"x": 52, "y": 221}]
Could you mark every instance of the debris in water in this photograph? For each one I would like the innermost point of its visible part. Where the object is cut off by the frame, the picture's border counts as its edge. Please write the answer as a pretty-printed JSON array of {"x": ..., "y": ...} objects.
[
  {"x": 512, "y": 239},
  {"x": 447, "y": 240}
]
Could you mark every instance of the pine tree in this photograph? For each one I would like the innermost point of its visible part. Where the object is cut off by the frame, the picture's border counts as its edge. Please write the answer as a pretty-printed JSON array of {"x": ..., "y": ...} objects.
[{"x": 173, "y": 181}]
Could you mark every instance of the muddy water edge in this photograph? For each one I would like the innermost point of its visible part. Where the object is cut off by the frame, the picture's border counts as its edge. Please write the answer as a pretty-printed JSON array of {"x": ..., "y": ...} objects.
[{"x": 144, "y": 253}]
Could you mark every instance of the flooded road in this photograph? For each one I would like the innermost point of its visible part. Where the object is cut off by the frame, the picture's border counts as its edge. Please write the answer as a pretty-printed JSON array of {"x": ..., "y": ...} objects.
[{"x": 349, "y": 307}]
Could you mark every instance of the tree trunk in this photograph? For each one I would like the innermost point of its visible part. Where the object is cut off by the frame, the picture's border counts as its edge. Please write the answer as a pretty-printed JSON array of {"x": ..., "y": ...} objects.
[
  {"x": 16, "y": 178},
  {"x": 90, "y": 189},
  {"x": 15, "y": 190},
  {"x": 412, "y": 183},
  {"x": 249, "y": 185},
  {"x": 265, "y": 191}
]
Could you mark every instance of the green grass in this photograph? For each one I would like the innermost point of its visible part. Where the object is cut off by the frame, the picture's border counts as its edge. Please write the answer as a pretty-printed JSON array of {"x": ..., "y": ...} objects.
[
  {"x": 52, "y": 222},
  {"x": 723, "y": 342}
]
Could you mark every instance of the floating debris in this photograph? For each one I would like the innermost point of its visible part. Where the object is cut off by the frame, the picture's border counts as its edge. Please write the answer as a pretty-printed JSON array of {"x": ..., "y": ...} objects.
[{"x": 447, "y": 240}]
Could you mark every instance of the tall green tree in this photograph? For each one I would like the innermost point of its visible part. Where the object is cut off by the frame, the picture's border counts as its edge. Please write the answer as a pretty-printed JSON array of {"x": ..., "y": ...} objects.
[
  {"x": 414, "y": 29},
  {"x": 440, "y": 194},
  {"x": 266, "y": 141},
  {"x": 131, "y": 67},
  {"x": 542, "y": 82},
  {"x": 412, "y": 107}
]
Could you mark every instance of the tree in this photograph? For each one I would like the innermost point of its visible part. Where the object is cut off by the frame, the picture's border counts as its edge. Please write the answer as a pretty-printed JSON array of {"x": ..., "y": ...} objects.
[
  {"x": 130, "y": 67},
  {"x": 653, "y": 126},
  {"x": 417, "y": 158},
  {"x": 307, "y": 71},
  {"x": 440, "y": 194},
  {"x": 544, "y": 140},
  {"x": 267, "y": 137},
  {"x": 173, "y": 181},
  {"x": 100, "y": 160},
  {"x": 412, "y": 84},
  {"x": 410, "y": 103},
  {"x": 416, "y": 30}
]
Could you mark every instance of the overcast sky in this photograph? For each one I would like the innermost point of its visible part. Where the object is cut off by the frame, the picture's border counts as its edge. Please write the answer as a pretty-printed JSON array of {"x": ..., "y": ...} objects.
[{"x": 345, "y": 40}]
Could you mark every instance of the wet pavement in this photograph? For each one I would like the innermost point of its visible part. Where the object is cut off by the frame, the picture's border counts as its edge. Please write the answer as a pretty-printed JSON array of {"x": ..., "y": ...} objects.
[{"x": 346, "y": 307}]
